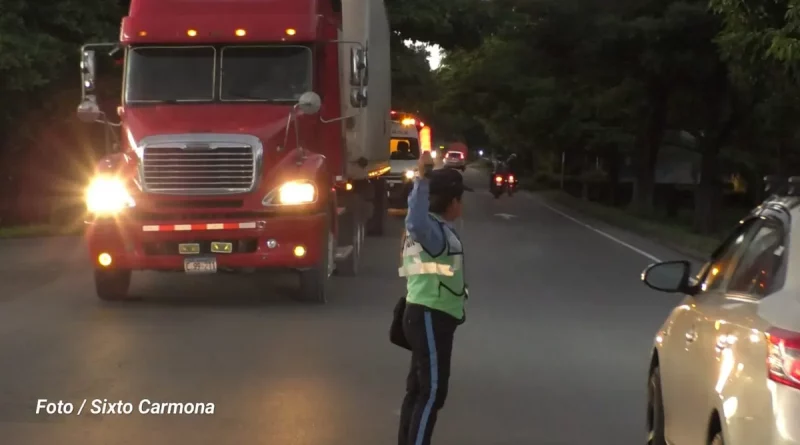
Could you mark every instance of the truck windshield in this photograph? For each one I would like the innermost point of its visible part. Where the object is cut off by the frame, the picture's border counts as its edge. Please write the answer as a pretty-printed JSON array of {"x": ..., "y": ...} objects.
[
  {"x": 170, "y": 74},
  {"x": 265, "y": 73},
  {"x": 406, "y": 150}
]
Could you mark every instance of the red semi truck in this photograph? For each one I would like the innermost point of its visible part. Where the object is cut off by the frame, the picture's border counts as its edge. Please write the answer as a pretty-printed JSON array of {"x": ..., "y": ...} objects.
[{"x": 247, "y": 140}]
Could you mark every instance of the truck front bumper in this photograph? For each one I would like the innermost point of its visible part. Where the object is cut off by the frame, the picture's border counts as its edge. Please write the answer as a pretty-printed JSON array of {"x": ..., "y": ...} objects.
[{"x": 272, "y": 242}]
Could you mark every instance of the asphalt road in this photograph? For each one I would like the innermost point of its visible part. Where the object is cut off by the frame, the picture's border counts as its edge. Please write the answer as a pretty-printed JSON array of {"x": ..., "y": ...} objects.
[{"x": 555, "y": 349}]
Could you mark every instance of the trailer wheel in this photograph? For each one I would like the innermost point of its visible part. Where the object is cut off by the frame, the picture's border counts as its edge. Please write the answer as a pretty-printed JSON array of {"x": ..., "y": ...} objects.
[
  {"x": 314, "y": 281},
  {"x": 377, "y": 222},
  {"x": 112, "y": 285}
]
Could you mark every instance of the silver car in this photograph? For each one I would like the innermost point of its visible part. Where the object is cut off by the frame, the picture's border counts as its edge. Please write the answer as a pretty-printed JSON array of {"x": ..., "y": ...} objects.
[
  {"x": 455, "y": 159},
  {"x": 725, "y": 366}
]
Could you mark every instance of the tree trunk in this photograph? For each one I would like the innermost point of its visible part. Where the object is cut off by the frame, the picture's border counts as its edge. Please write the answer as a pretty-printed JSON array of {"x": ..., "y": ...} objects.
[
  {"x": 707, "y": 197},
  {"x": 648, "y": 146}
]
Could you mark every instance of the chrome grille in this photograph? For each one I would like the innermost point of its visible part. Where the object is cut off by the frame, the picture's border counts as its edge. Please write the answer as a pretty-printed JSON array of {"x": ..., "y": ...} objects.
[{"x": 216, "y": 169}]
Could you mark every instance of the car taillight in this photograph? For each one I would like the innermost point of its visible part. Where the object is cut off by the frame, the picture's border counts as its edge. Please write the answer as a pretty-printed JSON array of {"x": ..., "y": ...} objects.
[
  {"x": 783, "y": 360},
  {"x": 498, "y": 179},
  {"x": 511, "y": 178}
]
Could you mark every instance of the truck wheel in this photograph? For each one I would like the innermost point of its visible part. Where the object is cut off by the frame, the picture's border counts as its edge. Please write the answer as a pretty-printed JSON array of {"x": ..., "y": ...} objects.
[
  {"x": 377, "y": 222},
  {"x": 350, "y": 234},
  {"x": 314, "y": 281},
  {"x": 112, "y": 285}
]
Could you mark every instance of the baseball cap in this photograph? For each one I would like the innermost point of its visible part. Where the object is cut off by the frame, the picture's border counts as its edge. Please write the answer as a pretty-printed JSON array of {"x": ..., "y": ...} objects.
[{"x": 447, "y": 180}]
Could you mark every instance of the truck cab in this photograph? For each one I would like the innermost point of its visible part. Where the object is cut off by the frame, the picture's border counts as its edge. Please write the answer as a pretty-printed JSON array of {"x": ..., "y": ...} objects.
[{"x": 246, "y": 140}]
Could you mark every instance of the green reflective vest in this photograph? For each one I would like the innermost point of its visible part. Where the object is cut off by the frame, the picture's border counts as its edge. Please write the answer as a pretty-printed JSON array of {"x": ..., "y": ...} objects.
[{"x": 436, "y": 279}]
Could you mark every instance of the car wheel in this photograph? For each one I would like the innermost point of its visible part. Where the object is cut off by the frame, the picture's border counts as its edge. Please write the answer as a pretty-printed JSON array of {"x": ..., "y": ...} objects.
[
  {"x": 718, "y": 440},
  {"x": 655, "y": 410}
]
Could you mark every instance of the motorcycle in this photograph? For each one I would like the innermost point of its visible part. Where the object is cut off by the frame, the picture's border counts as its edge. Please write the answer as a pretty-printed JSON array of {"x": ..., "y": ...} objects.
[
  {"x": 503, "y": 183},
  {"x": 511, "y": 184}
]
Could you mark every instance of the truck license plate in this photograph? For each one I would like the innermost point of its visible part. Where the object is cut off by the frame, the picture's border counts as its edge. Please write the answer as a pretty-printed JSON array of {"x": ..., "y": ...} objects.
[{"x": 200, "y": 265}]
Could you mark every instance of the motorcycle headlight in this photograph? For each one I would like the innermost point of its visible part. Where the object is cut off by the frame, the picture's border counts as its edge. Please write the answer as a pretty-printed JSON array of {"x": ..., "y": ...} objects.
[
  {"x": 410, "y": 174},
  {"x": 108, "y": 196},
  {"x": 292, "y": 193}
]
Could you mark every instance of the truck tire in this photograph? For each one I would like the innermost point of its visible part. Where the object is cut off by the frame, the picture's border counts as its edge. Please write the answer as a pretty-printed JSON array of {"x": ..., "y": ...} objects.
[
  {"x": 112, "y": 285},
  {"x": 350, "y": 234},
  {"x": 314, "y": 281},
  {"x": 377, "y": 222}
]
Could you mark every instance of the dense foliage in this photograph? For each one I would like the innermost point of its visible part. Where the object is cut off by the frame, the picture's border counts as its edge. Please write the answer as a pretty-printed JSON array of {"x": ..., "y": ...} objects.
[{"x": 623, "y": 90}]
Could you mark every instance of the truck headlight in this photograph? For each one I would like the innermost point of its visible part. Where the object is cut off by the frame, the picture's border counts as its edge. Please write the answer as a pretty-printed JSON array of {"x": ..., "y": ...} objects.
[
  {"x": 292, "y": 193},
  {"x": 410, "y": 174},
  {"x": 107, "y": 196}
]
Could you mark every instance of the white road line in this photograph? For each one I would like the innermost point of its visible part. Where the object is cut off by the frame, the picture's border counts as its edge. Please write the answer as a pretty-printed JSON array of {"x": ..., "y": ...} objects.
[{"x": 600, "y": 232}]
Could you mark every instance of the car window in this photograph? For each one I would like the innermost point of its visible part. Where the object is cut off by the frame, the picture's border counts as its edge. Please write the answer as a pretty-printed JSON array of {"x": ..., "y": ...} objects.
[
  {"x": 757, "y": 270},
  {"x": 724, "y": 258}
]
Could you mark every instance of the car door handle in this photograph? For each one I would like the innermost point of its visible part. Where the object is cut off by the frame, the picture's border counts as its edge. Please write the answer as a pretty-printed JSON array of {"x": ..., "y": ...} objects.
[{"x": 691, "y": 336}]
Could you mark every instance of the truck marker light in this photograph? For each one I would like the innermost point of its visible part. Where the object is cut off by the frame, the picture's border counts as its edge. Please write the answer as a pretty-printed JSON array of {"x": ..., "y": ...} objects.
[
  {"x": 291, "y": 32},
  {"x": 271, "y": 243},
  {"x": 142, "y": 33},
  {"x": 241, "y": 32},
  {"x": 191, "y": 33},
  {"x": 299, "y": 251},
  {"x": 104, "y": 259}
]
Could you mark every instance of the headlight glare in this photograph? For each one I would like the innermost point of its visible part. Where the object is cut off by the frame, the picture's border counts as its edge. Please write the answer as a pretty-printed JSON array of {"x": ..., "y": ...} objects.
[
  {"x": 292, "y": 193},
  {"x": 107, "y": 196},
  {"x": 410, "y": 174}
]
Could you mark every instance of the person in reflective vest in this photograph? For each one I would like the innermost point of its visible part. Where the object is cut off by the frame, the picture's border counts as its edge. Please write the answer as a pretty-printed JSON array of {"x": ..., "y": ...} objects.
[{"x": 433, "y": 265}]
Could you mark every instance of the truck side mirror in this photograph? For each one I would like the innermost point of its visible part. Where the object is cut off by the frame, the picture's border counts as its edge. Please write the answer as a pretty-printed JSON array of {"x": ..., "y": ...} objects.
[
  {"x": 359, "y": 72},
  {"x": 88, "y": 110},
  {"x": 88, "y": 70},
  {"x": 309, "y": 103},
  {"x": 358, "y": 97}
]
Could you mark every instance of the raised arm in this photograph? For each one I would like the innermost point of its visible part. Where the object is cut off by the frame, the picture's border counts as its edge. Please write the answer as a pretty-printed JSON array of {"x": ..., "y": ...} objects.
[{"x": 421, "y": 227}]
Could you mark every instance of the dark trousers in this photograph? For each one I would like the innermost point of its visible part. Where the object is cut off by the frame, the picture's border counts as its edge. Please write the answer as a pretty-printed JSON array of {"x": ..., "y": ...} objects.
[{"x": 430, "y": 334}]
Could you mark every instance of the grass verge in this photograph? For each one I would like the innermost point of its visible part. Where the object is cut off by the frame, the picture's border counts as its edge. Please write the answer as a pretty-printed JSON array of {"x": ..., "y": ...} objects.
[
  {"x": 673, "y": 235},
  {"x": 37, "y": 231}
]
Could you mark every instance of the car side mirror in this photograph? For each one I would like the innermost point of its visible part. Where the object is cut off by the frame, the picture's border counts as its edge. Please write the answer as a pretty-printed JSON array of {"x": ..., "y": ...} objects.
[{"x": 668, "y": 276}]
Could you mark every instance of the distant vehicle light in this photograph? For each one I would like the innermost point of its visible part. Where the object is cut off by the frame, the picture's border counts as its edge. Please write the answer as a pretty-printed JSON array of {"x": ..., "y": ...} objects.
[
  {"x": 409, "y": 122},
  {"x": 291, "y": 32},
  {"x": 191, "y": 33},
  {"x": 410, "y": 174},
  {"x": 434, "y": 154},
  {"x": 498, "y": 179},
  {"x": 241, "y": 32}
]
